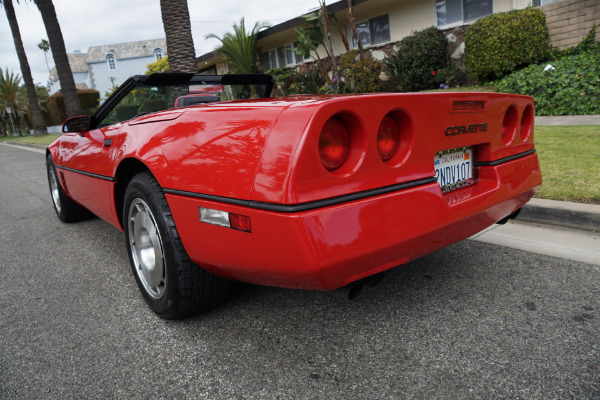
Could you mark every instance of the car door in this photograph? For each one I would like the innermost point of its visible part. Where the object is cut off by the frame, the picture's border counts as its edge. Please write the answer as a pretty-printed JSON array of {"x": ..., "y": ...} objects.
[{"x": 87, "y": 170}]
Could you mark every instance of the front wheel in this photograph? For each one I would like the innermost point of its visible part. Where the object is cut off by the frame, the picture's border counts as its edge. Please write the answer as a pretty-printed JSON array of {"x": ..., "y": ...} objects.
[{"x": 171, "y": 284}]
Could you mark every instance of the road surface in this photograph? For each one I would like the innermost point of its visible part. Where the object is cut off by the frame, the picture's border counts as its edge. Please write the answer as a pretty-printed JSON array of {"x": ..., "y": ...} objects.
[{"x": 475, "y": 320}]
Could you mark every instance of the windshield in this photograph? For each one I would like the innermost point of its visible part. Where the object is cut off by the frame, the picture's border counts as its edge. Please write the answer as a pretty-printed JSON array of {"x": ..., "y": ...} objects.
[{"x": 146, "y": 98}]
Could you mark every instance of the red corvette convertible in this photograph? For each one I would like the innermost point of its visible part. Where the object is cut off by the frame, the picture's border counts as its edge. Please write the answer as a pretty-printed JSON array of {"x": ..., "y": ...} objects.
[{"x": 212, "y": 181}]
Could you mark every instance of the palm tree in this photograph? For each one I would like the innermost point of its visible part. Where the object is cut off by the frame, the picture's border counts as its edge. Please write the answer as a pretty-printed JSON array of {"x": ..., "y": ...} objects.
[
  {"x": 39, "y": 126},
  {"x": 61, "y": 60},
  {"x": 178, "y": 31},
  {"x": 44, "y": 46},
  {"x": 13, "y": 97},
  {"x": 239, "y": 47}
]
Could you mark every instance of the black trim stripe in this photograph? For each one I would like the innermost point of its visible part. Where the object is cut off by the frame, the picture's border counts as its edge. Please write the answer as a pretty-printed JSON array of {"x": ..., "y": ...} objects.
[
  {"x": 312, "y": 205},
  {"x": 504, "y": 160},
  {"x": 104, "y": 178}
]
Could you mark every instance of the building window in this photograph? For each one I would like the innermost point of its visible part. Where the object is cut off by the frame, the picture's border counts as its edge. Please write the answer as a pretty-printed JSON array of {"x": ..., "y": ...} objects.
[
  {"x": 112, "y": 61},
  {"x": 544, "y": 2},
  {"x": 269, "y": 59},
  {"x": 283, "y": 56},
  {"x": 457, "y": 12},
  {"x": 374, "y": 31},
  {"x": 158, "y": 54}
]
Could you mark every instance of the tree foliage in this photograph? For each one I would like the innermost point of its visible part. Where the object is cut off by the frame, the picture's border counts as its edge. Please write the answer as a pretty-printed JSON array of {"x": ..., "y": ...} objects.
[
  {"x": 37, "y": 119},
  {"x": 312, "y": 35},
  {"x": 160, "y": 65},
  {"x": 239, "y": 47}
]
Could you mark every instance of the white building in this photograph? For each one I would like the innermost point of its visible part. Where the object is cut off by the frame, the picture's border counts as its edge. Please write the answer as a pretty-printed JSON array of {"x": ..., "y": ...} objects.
[{"x": 103, "y": 67}]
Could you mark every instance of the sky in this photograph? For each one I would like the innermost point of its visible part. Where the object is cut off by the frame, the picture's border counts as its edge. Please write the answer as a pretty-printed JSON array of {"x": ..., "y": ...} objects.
[{"x": 86, "y": 23}]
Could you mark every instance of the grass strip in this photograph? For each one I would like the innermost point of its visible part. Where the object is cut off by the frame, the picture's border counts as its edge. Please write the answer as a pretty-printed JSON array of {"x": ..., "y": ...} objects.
[
  {"x": 44, "y": 140},
  {"x": 570, "y": 161}
]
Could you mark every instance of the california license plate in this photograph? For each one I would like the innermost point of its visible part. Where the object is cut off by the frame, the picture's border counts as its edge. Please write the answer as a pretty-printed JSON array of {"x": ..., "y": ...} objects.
[{"x": 454, "y": 168}]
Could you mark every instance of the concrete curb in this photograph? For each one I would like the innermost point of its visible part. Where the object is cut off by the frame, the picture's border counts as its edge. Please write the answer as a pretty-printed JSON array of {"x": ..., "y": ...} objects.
[{"x": 562, "y": 213}]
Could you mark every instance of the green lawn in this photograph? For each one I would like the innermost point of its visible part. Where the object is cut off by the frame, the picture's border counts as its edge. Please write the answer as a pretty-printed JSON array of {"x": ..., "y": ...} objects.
[
  {"x": 569, "y": 156},
  {"x": 570, "y": 160},
  {"x": 42, "y": 140}
]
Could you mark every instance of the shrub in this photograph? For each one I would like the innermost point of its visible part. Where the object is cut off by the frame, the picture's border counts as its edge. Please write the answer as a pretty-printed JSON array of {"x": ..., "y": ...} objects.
[
  {"x": 55, "y": 105},
  {"x": 308, "y": 83},
  {"x": 284, "y": 78},
  {"x": 501, "y": 43},
  {"x": 89, "y": 100},
  {"x": 419, "y": 58},
  {"x": 570, "y": 87},
  {"x": 361, "y": 75},
  {"x": 160, "y": 65}
]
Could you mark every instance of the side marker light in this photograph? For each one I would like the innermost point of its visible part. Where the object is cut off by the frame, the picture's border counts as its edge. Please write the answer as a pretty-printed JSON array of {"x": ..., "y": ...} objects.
[{"x": 223, "y": 218}]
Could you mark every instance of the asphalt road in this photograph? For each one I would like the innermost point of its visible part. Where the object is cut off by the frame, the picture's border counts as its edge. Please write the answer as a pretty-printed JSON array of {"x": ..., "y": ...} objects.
[{"x": 475, "y": 320}]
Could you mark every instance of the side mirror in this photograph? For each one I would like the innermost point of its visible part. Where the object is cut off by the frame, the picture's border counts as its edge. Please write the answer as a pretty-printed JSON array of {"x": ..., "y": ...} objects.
[{"x": 76, "y": 124}]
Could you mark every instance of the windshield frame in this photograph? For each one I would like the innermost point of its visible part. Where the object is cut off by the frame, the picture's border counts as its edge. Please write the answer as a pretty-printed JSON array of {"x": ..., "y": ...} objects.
[{"x": 176, "y": 78}]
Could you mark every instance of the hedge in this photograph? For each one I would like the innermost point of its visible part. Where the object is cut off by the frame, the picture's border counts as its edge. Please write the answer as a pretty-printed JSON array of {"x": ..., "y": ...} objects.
[
  {"x": 501, "y": 43},
  {"x": 55, "y": 105}
]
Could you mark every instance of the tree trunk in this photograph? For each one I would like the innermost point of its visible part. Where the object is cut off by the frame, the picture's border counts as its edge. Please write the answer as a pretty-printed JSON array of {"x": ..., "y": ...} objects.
[
  {"x": 61, "y": 60},
  {"x": 39, "y": 126},
  {"x": 334, "y": 65},
  {"x": 178, "y": 31},
  {"x": 354, "y": 31},
  {"x": 323, "y": 70}
]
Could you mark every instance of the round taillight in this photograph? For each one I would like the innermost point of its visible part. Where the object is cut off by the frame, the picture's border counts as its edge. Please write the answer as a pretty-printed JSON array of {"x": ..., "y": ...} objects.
[
  {"x": 527, "y": 122},
  {"x": 334, "y": 144},
  {"x": 388, "y": 138},
  {"x": 509, "y": 125}
]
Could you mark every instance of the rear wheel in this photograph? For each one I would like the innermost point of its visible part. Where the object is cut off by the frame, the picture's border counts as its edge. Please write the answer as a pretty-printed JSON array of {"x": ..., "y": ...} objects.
[
  {"x": 66, "y": 209},
  {"x": 172, "y": 285}
]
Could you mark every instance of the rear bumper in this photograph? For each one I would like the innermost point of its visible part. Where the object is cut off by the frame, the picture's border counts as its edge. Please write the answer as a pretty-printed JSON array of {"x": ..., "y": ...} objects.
[{"x": 329, "y": 247}]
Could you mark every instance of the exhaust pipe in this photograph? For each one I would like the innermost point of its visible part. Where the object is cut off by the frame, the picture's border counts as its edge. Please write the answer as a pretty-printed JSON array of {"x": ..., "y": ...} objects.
[
  {"x": 511, "y": 216},
  {"x": 352, "y": 290}
]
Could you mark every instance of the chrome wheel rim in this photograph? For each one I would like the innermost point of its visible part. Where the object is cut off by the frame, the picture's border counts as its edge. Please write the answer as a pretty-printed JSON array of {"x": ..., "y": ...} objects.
[
  {"x": 54, "y": 188},
  {"x": 146, "y": 248}
]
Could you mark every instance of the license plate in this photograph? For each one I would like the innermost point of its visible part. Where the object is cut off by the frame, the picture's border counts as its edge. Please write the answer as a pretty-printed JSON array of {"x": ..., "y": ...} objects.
[{"x": 454, "y": 168}]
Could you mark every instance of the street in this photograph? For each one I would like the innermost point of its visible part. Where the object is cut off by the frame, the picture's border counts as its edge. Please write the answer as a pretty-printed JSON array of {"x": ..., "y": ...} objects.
[{"x": 474, "y": 320}]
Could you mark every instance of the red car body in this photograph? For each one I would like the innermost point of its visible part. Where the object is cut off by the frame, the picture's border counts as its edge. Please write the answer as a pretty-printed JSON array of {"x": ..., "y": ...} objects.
[{"x": 310, "y": 227}]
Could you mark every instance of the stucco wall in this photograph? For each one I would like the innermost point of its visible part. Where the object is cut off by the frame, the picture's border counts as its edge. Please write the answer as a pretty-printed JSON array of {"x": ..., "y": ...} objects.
[
  {"x": 101, "y": 75},
  {"x": 569, "y": 21}
]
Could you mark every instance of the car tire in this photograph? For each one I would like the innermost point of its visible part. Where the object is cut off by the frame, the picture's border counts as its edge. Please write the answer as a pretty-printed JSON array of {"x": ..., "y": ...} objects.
[
  {"x": 171, "y": 284},
  {"x": 66, "y": 209}
]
